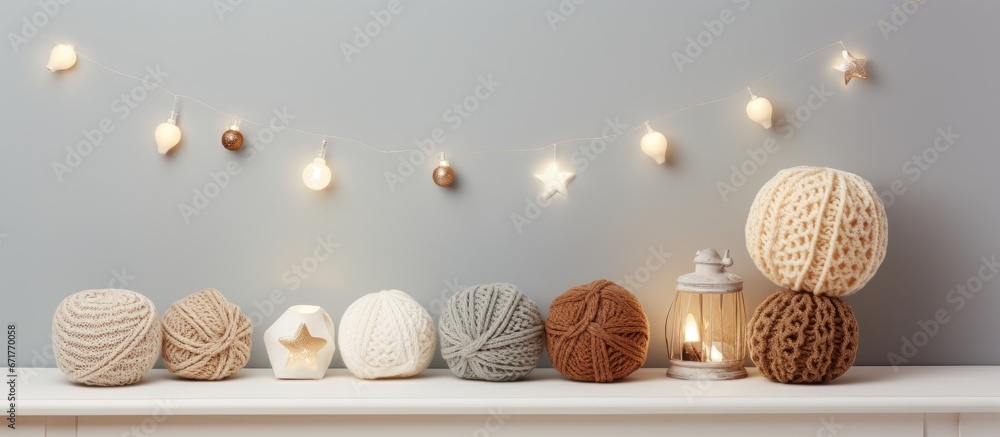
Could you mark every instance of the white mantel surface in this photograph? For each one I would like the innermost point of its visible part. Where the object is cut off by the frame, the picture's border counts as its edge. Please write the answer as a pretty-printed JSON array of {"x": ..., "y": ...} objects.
[{"x": 648, "y": 391}]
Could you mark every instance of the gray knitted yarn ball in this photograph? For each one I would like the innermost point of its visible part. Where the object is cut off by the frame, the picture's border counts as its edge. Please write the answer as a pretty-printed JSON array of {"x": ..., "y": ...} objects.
[{"x": 491, "y": 332}]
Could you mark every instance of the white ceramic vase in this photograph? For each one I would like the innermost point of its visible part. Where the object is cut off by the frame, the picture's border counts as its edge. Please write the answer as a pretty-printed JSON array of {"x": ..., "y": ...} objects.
[{"x": 300, "y": 343}]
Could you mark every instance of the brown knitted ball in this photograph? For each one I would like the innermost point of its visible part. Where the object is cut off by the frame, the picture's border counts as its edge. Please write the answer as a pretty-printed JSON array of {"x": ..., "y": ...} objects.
[
  {"x": 205, "y": 337},
  {"x": 800, "y": 338},
  {"x": 597, "y": 332}
]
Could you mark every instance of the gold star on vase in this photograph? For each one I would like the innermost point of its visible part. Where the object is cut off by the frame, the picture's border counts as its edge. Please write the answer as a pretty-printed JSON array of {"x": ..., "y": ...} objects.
[
  {"x": 302, "y": 348},
  {"x": 555, "y": 181},
  {"x": 852, "y": 67}
]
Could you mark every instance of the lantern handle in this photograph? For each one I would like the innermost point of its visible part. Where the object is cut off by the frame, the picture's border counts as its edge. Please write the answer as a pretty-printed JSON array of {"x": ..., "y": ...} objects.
[{"x": 727, "y": 261}]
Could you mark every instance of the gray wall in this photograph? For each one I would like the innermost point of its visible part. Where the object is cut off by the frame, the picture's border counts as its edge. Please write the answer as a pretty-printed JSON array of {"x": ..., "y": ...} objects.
[{"x": 117, "y": 214}]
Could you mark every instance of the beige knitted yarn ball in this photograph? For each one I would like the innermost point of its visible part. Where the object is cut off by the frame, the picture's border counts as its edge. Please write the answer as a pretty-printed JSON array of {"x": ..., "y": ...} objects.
[
  {"x": 386, "y": 335},
  {"x": 799, "y": 338},
  {"x": 817, "y": 229},
  {"x": 106, "y": 337},
  {"x": 206, "y": 337}
]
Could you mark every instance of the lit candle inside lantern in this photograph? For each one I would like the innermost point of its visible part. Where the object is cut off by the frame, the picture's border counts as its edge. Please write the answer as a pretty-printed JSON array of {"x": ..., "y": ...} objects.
[
  {"x": 715, "y": 355},
  {"x": 692, "y": 340}
]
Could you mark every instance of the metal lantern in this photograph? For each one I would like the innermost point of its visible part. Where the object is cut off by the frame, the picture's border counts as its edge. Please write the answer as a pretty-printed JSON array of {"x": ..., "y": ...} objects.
[{"x": 706, "y": 326}]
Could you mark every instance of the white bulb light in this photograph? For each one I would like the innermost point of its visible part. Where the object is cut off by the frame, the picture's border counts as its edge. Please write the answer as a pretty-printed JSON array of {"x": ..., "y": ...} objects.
[
  {"x": 759, "y": 110},
  {"x": 61, "y": 58},
  {"x": 654, "y": 144},
  {"x": 167, "y": 134},
  {"x": 317, "y": 174}
]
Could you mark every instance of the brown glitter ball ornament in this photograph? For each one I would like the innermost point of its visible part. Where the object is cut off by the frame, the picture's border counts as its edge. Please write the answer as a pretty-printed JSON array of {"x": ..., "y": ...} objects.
[
  {"x": 799, "y": 338},
  {"x": 232, "y": 139},
  {"x": 444, "y": 175}
]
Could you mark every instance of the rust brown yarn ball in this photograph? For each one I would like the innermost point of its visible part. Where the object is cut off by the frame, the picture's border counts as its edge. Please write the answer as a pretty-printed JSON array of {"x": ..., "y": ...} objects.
[
  {"x": 206, "y": 337},
  {"x": 597, "y": 332},
  {"x": 800, "y": 338}
]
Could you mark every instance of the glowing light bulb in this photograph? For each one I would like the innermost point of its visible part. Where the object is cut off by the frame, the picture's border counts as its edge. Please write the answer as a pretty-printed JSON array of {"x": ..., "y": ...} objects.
[
  {"x": 167, "y": 134},
  {"x": 317, "y": 174},
  {"x": 654, "y": 144},
  {"x": 62, "y": 57},
  {"x": 759, "y": 110}
]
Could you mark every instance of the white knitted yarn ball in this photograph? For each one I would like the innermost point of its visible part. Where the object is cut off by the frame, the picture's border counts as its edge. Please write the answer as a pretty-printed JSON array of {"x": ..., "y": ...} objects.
[
  {"x": 819, "y": 230},
  {"x": 386, "y": 335},
  {"x": 106, "y": 337}
]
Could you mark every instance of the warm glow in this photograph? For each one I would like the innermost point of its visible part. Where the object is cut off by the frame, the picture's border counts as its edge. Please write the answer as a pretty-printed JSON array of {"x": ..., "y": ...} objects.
[
  {"x": 167, "y": 136},
  {"x": 759, "y": 110},
  {"x": 317, "y": 175},
  {"x": 654, "y": 144},
  {"x": 715, "y": 355},
  {"x": 62, "y": 57},
  {"x": 691, "y": 332}
]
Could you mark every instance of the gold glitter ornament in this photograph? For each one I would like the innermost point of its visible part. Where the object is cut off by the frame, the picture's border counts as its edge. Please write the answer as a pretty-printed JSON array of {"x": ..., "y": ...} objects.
[
  {"x": 852, "y": 67},
  {"x": 443, "y": 175},
  {"x": 302, "y": 348},
  {"x": 232, "y": 139}
]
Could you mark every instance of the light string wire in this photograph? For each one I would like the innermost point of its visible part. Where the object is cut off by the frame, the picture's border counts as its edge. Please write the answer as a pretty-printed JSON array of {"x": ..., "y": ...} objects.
[{"x": 552, "y": 145}]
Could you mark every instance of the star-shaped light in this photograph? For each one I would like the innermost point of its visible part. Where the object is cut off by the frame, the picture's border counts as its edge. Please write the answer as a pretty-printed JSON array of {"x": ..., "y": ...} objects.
[
  {"x": 302, "y": 348},
  {"x": 555, "y": 181},
  {"x": 852, "y": 67}
]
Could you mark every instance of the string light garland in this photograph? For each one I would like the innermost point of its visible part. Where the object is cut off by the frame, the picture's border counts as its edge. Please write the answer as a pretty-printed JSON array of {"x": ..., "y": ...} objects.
[
  {"x": 555, "y": 180},
  {"x": 317, "y": 173}
]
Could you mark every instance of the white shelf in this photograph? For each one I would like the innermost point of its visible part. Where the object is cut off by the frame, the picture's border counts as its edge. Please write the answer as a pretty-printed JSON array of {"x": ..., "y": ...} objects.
[{"x": 46, "y": 392}]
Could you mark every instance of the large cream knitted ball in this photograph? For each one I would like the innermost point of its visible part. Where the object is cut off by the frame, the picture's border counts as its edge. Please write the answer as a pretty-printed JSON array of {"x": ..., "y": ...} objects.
[
  {"x": 819, "y": 230},
  {"x": 492, "y": 333},
  {"x": 205, "y": 337},
  {"x": 386, "y": 335},
  {"x": 106, "y": 337}
]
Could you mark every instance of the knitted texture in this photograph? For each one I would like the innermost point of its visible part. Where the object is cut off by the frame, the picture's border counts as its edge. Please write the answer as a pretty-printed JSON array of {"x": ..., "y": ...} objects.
[
  {"x": 817, "y": 229},
  {"x": 597, "y": 332},
  {"x": 491, "y": 332},
  {"x": 106, "y": 337},
  {"x": 797, "y": 337},
  {"x": 206, "y": 337},
  {"x": 386, "y": 335}
]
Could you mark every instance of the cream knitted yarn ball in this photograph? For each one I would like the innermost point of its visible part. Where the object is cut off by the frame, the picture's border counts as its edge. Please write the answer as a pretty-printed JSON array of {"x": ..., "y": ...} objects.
[
  {"x": 386, "y": 335},
  {"x": 106, "y": 337},
  {"x": 819, "y": 230},
  {"x": 492, "y": 333},
  {"x": 205, "y": 337}
]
